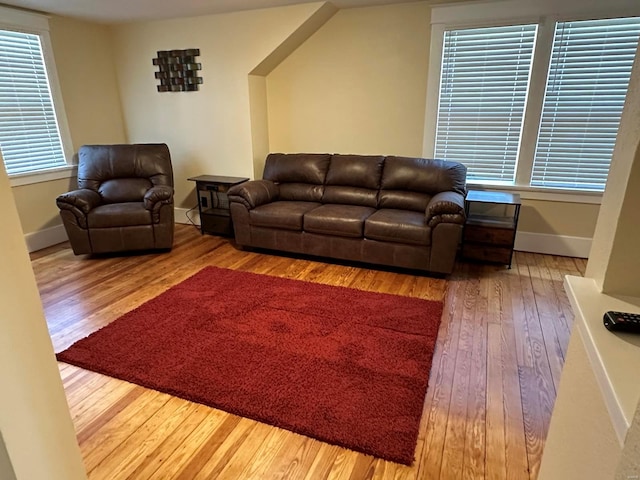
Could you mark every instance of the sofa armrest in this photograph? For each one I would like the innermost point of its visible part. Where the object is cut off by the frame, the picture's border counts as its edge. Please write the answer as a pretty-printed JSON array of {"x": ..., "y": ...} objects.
[
  {"x": 83, "y": 200},
  {"x": 445, "y": 207},
  {"x": 254, "y": 193},
  {"x": 157, "y": 196}
]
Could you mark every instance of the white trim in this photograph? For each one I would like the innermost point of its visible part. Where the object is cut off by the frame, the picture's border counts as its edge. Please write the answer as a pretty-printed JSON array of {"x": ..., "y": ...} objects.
[
  {"x": 563, "y": 245},
  {"x": 618, "y": 420},
  {"x": 181, "y": 216},
  {"x": 12, "y": 18},
  {"x": 37, "y": 24},
  {"x": 525, "y": 241},
  {"x": 518, "y": 11},
  {"x": 610, "y": 354},
  {"x": 504, "y": 12},
  {"x": 535, "y": 101},
  {"x": 69, "y": 171},
  {"x": 53, "y": 235},
  {"x": 548, "y": 195},
  {"x": 56, "y": 96},
  {"x": 433, "y": 91},
  {"x": 45, "y": 238}
]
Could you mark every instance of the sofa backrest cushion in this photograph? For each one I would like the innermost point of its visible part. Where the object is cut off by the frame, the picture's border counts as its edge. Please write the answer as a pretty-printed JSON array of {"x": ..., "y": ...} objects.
[
  {"x": 423, "y": 175},
  {"x": 300, "y": 192},
  {"x": 300, "y": 176},
  {"x": 297, "y": 167},
  {"x": 362, "y": 171},
  {"x": 409, "y": 183},
  {"x": 353, "y": 180}
]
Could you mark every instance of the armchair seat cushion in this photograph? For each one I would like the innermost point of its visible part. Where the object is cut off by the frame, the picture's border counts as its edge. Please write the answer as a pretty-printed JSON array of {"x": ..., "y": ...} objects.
[
  {"x": 287, "y": 215},
  {"x": 403, "y": 226},
  {"x": 336, "y": 219},
  {"x": 119, "y": 215}
]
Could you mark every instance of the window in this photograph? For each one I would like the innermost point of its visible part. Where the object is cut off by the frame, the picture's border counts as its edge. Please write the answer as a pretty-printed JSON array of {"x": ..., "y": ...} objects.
[
  {"x": 29, "y": 135},
  {"x": 588, "y": 79},
  {"x": 483, "y": 91},
  {"x": 554, "y": 135}
]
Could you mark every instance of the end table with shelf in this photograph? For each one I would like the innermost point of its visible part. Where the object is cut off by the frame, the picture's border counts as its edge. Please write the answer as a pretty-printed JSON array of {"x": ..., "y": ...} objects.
[
  {"x": 213, "y": 203},
  {"x": 489, "y": 235}
]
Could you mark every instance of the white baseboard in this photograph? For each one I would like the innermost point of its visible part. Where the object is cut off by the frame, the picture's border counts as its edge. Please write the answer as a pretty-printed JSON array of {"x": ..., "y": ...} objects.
[
  {"x": 181, "y": 216},
  {"x": 54, "y": 235},
  {"x": 525, "y": 241},
  {"x": 562, "y": 245},
  {"x": 45, "y": 238}
]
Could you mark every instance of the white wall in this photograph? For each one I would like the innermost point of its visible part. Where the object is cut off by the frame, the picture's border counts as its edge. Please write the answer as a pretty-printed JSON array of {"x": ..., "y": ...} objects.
[
  {"x": 580, "y": 431},
  {"x": 34, "y": 418},
  {"x": 580, "y": 440},
  {"x": 629, "y": 466},
  {"x": 6, "y": 469},
  {"x": 209, "y": 131},
  {"x": 614, "y": 261},
  {"x": 358, "y": 85}
]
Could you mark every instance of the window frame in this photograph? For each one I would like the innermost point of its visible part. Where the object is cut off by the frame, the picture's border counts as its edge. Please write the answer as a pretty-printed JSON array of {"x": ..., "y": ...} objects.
[
  {"x": 557, "y": 93},
  {"x": 514, "y": 12},
  {"x": 506, "y": 112},
  {"x": 37, "y": 24}
]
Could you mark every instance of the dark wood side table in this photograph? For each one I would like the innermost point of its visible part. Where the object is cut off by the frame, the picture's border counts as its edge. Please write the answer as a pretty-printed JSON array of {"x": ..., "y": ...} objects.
[
  {"x": 213, "y": 203},
  {"x": 490, "y": 230}
]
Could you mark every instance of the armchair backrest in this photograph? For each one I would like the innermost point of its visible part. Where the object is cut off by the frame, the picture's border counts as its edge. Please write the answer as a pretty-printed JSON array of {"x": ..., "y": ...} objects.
[{"x": 124, "y": 173}]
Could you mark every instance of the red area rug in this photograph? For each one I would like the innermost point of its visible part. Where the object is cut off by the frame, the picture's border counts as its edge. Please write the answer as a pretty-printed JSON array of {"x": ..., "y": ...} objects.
[{"x": 340, "y": 365}]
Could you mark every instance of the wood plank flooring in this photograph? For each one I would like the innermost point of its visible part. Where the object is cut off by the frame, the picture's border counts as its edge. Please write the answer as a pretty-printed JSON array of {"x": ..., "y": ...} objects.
[{"x": 495, "y": 373}]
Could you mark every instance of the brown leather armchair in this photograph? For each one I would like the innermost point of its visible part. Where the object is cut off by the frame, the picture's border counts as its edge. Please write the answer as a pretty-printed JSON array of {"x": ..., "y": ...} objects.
[{"x": 124, "y": 200}]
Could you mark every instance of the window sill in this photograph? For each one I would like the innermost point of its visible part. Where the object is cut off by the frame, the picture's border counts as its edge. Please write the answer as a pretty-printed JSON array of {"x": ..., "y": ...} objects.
[
  {"x": 548, "y": 195},
  {"x": 611, "y": 355},
  {"x": 43, "y": 176}
]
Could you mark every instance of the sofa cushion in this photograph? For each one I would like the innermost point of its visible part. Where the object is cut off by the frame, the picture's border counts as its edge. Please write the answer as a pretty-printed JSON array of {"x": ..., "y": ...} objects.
[
  {"x": 355, "y": 171},
  {"x": 285, "y": 215},
  {"x": 302, "y": 192},
  {"x": 119, "y": 215},
  {"x": 423, "y": 175},
  {"x": 403, "y": 200},
  {"x": 353, "y": 180},
  {"x": 341, "y": 220},
  {"x": 350, "y": 196},
  {"x": 297, "y": 167},
  {"x": 400, "y": 226}
]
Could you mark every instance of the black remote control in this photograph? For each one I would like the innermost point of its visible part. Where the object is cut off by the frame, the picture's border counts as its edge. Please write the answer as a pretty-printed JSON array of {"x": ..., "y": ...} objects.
[{"x": 622, "y": 322}]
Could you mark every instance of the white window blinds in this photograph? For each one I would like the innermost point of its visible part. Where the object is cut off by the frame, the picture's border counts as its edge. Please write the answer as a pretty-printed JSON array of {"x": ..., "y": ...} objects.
[
  {"x": 29, "y": 135},
  {"x": 483, "y": 91},
  {"x": 586, "y": 89}
]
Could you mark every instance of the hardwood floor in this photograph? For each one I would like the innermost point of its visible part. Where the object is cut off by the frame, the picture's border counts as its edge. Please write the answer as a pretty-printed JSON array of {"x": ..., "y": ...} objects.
[{"x": 495, "y": 373}]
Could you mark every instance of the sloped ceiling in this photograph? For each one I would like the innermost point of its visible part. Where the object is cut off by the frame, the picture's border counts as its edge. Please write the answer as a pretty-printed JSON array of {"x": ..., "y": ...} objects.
[{"x": 120, "y": 11}]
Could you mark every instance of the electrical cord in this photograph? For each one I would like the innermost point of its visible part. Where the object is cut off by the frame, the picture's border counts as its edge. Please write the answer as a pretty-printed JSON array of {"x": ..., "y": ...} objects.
[{"x": 186, "y": 214}]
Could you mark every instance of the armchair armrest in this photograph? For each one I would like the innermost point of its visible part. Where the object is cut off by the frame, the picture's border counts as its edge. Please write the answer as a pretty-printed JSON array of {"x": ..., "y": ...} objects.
[
  {"x": 445, "y": 207},
  {"x": 157, "y": 196},
  {"x": 83, "y": 200},
  {"x": 254, "y": 193}
]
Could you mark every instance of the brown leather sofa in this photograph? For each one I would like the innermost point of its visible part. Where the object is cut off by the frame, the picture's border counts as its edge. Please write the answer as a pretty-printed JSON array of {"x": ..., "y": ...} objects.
[
  {"x": 124, "y": 200},
  {"x": 397, "y": 211}
]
